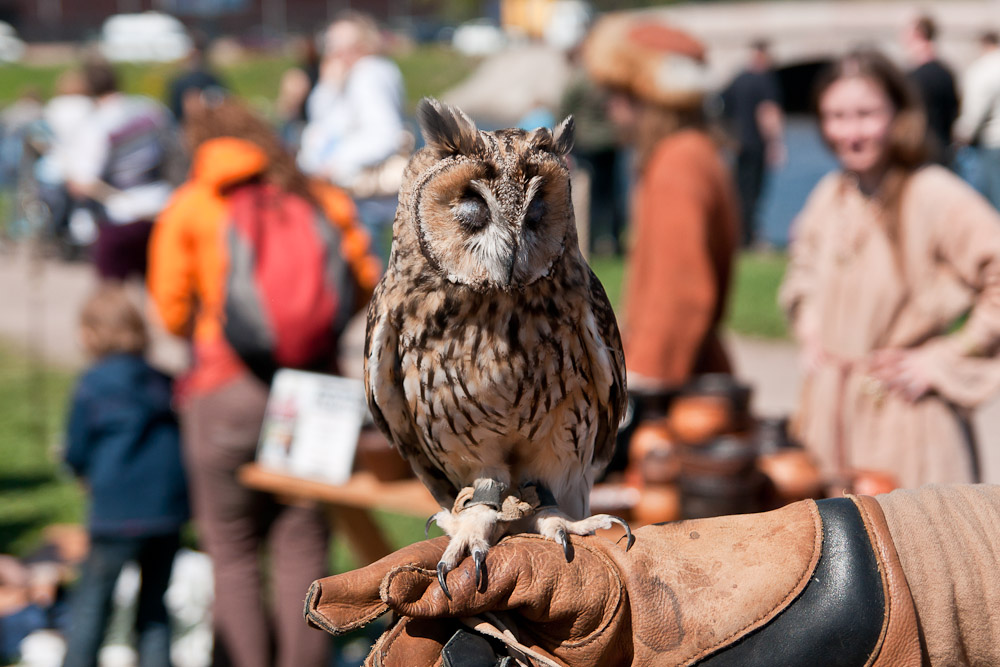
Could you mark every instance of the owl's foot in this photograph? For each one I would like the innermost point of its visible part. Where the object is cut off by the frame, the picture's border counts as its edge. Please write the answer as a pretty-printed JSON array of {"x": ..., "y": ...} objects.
[
  {"x": 556, "y": 526},
  {"x": 473, "y": 526},
  {"x": 472, "y": 531}
]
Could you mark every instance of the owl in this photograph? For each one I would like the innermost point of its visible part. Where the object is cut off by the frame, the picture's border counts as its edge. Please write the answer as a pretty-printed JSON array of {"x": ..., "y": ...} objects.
[{"x": 493, "y": 360}]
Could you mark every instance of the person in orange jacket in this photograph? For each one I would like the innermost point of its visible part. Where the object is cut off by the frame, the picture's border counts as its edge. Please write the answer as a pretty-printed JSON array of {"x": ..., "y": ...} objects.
[{"x": 222, "y": 403}]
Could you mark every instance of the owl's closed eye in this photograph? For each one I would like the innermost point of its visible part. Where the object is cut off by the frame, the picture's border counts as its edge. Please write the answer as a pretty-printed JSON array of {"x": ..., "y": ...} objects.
[
  {"x": 472, "y": 212},
  {"x": 535, "y": 213}
]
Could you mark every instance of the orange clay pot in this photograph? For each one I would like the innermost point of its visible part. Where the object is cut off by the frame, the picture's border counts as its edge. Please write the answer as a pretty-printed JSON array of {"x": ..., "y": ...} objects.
[
  {"x": 872, "y": 482},
  {"x": 662, "y": 465},
  {"x": 793, "y": 472},
  {"x": 648, "y": 436},
  {"x": 696, "y": 419},
  {"x": 657, "y": 503}
]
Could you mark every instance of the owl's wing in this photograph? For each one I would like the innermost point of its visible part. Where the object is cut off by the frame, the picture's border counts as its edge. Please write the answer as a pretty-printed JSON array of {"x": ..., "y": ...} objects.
[
  {"x": 387, "y": 401},
  {"x": 603, "y": 342}
]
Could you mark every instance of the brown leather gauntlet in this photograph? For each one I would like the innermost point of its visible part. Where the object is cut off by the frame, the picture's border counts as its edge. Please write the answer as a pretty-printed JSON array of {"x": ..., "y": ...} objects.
[{"x": 809, "y": 584}]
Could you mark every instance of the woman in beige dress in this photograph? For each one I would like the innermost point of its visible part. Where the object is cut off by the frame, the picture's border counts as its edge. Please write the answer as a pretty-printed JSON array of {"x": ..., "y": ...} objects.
[{"x": 887, "y": 257}]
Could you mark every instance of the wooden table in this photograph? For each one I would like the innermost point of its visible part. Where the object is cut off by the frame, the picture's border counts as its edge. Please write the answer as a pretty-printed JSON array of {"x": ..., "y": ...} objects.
[{"x": 350, "y": 504}]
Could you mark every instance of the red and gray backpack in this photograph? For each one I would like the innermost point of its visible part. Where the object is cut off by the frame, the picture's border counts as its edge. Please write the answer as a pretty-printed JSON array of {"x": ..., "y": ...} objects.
[{"x": 289, "y": 290}]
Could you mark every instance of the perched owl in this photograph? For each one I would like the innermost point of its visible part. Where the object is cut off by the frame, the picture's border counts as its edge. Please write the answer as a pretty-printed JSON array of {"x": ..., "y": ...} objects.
[{"x": 493, "y": 360}]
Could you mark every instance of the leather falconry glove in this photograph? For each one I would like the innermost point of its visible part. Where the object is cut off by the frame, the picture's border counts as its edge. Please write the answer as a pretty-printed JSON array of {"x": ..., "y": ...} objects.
[{"x": 813, "y": 583}]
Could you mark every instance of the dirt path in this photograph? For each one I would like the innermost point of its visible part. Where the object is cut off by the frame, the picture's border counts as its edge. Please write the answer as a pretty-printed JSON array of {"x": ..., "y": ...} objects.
[{"x": 39, "y": 304}]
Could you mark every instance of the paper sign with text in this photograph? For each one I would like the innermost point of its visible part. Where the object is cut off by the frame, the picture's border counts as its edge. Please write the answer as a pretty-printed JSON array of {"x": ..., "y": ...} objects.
[{"x": 311, "y": 425}]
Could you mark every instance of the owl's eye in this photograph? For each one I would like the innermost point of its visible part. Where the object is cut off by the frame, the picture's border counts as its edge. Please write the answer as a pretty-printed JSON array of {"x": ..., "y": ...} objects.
[
  {"x": 472, "y": 213},
  {"x": 536, "y": 211}
]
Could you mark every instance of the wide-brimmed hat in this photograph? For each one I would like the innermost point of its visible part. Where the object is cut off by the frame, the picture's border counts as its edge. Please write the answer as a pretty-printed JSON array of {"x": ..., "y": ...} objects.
[{"x": 648, "y": 58}]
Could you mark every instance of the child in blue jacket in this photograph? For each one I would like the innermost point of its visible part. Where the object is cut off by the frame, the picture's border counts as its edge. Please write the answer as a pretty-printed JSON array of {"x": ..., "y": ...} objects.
[{"x": 124, "y": 442}]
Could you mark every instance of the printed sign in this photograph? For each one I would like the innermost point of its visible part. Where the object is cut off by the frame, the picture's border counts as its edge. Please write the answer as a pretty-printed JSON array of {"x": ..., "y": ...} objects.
[{"x": 311, "y": 425}]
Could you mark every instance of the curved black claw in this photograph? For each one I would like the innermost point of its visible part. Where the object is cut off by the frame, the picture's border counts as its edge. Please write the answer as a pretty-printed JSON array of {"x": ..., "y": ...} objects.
[
  {"x": 628, "y": 532},
  {"x": 563, "y": 541},
  {"x": 427, "y": 526},
  {"x": 442, "y": 571},
  {"x": 480, "y": 557}
]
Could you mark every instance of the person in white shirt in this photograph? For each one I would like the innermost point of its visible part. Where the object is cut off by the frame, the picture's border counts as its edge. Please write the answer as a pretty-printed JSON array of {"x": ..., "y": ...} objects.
[
  {"x": 356, "y": 110},
  {"x": 978, "y": 124},
  {"x": 354, "y": 115},
  {"x": 118, "y": 159},
  {"x": 63, "y": 115}
]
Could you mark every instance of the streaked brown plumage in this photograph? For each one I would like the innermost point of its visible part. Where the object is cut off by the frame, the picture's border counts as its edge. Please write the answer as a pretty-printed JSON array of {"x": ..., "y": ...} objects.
[{"x": 492, "y": 356}]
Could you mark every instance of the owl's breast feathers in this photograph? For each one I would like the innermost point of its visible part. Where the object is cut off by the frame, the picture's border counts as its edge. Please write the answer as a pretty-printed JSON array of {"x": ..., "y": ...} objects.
[{"x": 529, "y": 381}]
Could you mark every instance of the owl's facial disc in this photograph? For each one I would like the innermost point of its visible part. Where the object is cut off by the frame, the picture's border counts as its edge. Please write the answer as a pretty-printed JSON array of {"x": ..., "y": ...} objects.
[{"x": 499, "y": 218}]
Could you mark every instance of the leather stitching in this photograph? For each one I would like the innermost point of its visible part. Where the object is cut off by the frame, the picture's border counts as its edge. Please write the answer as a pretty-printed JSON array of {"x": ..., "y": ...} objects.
[
  {"x": 885, "y": 574},
  {"x": 317, "y": 616},
  {"x": 314, "y": 616},
  {"x": 383, "y": 589},
  {"x": 793, "y": 593},
  {"x": 384, "y": 644},
  {"x": 363, "y": 621}
]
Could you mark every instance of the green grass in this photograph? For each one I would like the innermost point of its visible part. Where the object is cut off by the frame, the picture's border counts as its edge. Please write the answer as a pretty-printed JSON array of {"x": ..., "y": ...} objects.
[
  {"x": 15, "y": 78},
  {"x": 431, "y": 70},
  {"x": 427, "y": 70},
  {"x": 399, "y": 531},
  {"x": 610, "y": 271},
  {"x": 33, "y": 490},
  {"x": 753, "y": 298},
  {"x": 753, "y": 307}
]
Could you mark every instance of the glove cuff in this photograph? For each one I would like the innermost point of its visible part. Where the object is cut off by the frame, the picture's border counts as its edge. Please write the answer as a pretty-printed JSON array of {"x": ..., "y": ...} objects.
[
  {"x": 856, "y": 606},
  {"x": 900, "y": 642}
]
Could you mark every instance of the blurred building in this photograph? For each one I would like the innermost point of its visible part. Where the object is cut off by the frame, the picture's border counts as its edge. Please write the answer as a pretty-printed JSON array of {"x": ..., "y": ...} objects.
[
  {"x": 48, "y": 20},
  {"x": 804, "y": 35}
]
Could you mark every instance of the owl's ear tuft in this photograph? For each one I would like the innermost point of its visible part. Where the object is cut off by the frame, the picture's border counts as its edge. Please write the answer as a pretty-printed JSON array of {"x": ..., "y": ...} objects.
[
  {"x": 558, "y": 143},
  {"x": 447, "y": 129},
  {"x": 563, "y": 137}
]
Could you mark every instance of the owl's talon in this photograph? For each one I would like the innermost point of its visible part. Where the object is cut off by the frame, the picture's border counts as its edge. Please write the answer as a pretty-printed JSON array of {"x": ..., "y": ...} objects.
[
  {"x": 628, "y": 532},
  {"x": 563, "y": 541},
  {"x": 442, "y": 571},
  {"x": 480, "y": 557},
  {"x": 427, "y": 526}
]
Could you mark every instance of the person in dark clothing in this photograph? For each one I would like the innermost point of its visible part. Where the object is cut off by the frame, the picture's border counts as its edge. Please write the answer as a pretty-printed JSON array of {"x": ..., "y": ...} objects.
[
  {"x": 597, "y": 150},
  {"x": 124, "y": 442},
  {"x": 297, "y": 83},
  {"x": 194, "y": 80},
  {"x": 752, "y": 105},
  {"x": 936, "y": 85}
]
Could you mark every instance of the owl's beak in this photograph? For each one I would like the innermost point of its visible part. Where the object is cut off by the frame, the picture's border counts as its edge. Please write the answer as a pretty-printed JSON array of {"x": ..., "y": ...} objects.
[{"x": 511, "y": 263}]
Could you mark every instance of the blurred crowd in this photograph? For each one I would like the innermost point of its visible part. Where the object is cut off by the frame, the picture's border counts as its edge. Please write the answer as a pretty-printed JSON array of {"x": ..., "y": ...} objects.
[{"x": 891, "y": 287}]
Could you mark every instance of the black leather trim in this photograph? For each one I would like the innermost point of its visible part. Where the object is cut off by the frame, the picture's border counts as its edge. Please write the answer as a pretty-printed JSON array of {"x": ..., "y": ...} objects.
[
  {"x": 470, "y": 649},
  {"x": 837, "y": 619}
]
